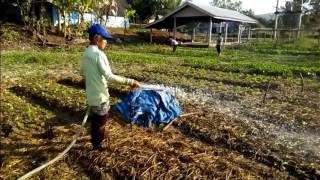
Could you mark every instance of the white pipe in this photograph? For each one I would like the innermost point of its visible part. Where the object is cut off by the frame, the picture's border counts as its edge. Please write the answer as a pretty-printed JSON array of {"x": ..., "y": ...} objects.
[
  {"x": 152, "y": 87},
  {"x": 38, "y": 169}
]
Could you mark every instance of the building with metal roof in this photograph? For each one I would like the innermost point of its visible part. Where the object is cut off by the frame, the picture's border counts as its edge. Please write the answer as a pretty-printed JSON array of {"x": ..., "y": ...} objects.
[{"x": 189, "y": 11}]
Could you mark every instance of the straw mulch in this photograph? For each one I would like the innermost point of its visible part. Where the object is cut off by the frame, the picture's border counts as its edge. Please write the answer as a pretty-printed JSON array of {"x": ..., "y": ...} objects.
[{"x": 136, "y": 152}]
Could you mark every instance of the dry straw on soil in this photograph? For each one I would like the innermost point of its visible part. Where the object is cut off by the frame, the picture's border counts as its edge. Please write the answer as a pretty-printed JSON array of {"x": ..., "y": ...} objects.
[{"x": 136, "y": 152}]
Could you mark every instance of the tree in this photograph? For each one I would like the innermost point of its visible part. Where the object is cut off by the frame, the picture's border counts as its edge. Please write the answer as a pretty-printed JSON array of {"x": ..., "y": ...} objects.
[
  {"x": 290, "y": 17},
  {"x": 166, "y": 6},
  {"x": 64, "y": 7},
  {"x": 227, "y": 4},
  {"x": 147, "y": 9},
  {"x": 291, "y": 13},
  {"x": 268, "y": 23},
  {"x": 248, "y": 12},
  {"x": 314, "y": 14},
  {"x": 97, "y": 7},
  {"x": 104, "y": 7},
  {"x": 25, "y": 9},
  {"x": 127, "y": 15}
]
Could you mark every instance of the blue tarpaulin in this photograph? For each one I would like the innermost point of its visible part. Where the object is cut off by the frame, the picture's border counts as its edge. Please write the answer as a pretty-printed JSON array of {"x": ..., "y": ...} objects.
[{"x": 145, "y": 107}]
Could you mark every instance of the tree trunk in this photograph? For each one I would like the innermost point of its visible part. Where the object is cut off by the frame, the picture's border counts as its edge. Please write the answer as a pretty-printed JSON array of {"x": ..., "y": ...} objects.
[
  {"x": 79, "y": 20},
  {"x": 22, "y": 13},
  {"x": 41, "y": 24},
  {"x": 33, "y": 14},
  {"x": 65, "y": 23},
  {"x": 59, "y": 20},
  {"x": 82, "y": 21},
  {"x": 319, "y": 38},
  {"x": 124, "y": 29},
  {"x": 68, "y": 24}
]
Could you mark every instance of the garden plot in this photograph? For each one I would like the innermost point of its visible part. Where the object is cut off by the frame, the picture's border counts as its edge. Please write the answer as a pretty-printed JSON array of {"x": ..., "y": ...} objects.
[
  {"x": 139, "y": 152},
  {"x": 249, "y": 132},
  {"x": 285, "y": 102},
  {"x": 233, "y": 134},
  {"x": 28, "y": 143}
]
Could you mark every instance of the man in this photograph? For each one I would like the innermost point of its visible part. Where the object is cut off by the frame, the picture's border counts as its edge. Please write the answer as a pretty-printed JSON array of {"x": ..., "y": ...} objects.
[
  {"x": 219, "y": 43},
  {"x": 173, "y": 43},
  {"x": 96, "y": 71}
]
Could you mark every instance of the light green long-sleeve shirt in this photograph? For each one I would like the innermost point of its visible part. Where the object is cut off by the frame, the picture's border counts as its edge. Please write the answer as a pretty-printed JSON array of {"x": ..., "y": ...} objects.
[{"x": 96, "y": 70}]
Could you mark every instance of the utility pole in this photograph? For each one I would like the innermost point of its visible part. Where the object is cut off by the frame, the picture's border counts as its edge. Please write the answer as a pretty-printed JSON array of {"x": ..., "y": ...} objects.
[
  {"x": 276, "y": 21},
  {"x": 300, "y": 19}
]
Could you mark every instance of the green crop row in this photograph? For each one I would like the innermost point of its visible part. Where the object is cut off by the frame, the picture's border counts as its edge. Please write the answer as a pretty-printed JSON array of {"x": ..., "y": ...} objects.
[
  {"x": 231, "y": 61},
  {"x": 52, "y": 95},
  {"x": 58, "y": 96},
  {"x": 20, "y": 113},
  {"x": 303, "y": 44},
  {"x": 38, "y": 57},
  {"x": 243, "y": 61},
  {"x": 170, "y": 79},
  {"x": 256, "y": 48},
  {"x": 165, "y": 50},
  {"x": 203, "y": 74},
  {"x": 257, "y": 68},
  {"x": 115, "y": 90},
  {"x": 38, "y": 96}
]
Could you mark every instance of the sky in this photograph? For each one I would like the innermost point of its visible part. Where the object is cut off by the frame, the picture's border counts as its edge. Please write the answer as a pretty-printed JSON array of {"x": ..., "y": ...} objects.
[{"x": 258, "y": 6}]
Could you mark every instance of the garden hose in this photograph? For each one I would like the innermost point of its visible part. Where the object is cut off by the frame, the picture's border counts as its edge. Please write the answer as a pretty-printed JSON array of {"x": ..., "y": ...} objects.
[{"x": 38, "y": 169}]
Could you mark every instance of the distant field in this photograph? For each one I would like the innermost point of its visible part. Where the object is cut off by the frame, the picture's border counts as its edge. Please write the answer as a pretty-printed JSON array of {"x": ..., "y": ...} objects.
[
  {"x": 257, "y": 118},
  {"x": 260, "y": 58}
]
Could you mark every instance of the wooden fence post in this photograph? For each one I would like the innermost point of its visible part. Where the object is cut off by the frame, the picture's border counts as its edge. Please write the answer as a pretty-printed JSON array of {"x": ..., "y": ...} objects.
[
  {"x": 265, "y": 93},
  {"x": 302, "y": 82}
]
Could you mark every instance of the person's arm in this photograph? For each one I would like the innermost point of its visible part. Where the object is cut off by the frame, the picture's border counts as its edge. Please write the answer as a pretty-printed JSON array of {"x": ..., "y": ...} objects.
[{"x": 105, "y": 70}]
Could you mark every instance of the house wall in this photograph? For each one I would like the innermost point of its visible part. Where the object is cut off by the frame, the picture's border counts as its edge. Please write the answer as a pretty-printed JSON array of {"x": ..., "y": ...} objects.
[{"x": 112, "y": 21}]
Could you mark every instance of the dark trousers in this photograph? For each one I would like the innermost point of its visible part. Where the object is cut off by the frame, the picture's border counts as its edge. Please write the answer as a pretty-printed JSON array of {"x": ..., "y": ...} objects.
[
  {"x": 174, "y": 48},
  {"x": 97, "y": 129},
  {"x": 218, "y": 47}
]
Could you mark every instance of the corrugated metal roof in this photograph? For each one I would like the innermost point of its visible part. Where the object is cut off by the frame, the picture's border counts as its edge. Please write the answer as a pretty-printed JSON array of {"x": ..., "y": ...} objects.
[
  {"x": 226, "y": 14},
  {"x": 216, "y": 13}
]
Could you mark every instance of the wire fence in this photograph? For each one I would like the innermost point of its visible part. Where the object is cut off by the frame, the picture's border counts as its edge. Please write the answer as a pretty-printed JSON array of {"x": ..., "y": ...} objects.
[{"x": 284, "y": 34}]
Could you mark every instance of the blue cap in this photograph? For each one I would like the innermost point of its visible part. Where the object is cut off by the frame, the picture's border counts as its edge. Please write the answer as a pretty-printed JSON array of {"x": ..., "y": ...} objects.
[{"x": 99, "y": 29}]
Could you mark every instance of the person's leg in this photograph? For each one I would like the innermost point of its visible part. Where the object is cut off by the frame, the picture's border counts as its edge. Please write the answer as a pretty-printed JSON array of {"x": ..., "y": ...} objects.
[
  {"x": 98, "y": 130},
  {"x": 219, "y": 50},
  {"x": 98, "y": 121},
  {"x": 174, "y": 48}
]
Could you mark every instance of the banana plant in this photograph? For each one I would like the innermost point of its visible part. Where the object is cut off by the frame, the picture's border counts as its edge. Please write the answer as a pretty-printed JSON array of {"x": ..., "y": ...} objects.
[{"x": 127, "y": 15}]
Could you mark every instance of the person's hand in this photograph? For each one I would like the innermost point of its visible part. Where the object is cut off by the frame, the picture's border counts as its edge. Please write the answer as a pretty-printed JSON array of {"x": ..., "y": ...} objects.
[{"x": 135, "y": 84}]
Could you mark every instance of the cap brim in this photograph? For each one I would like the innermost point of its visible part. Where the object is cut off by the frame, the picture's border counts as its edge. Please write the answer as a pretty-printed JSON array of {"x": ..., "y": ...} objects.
[{"x": 106, "y": 36}]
